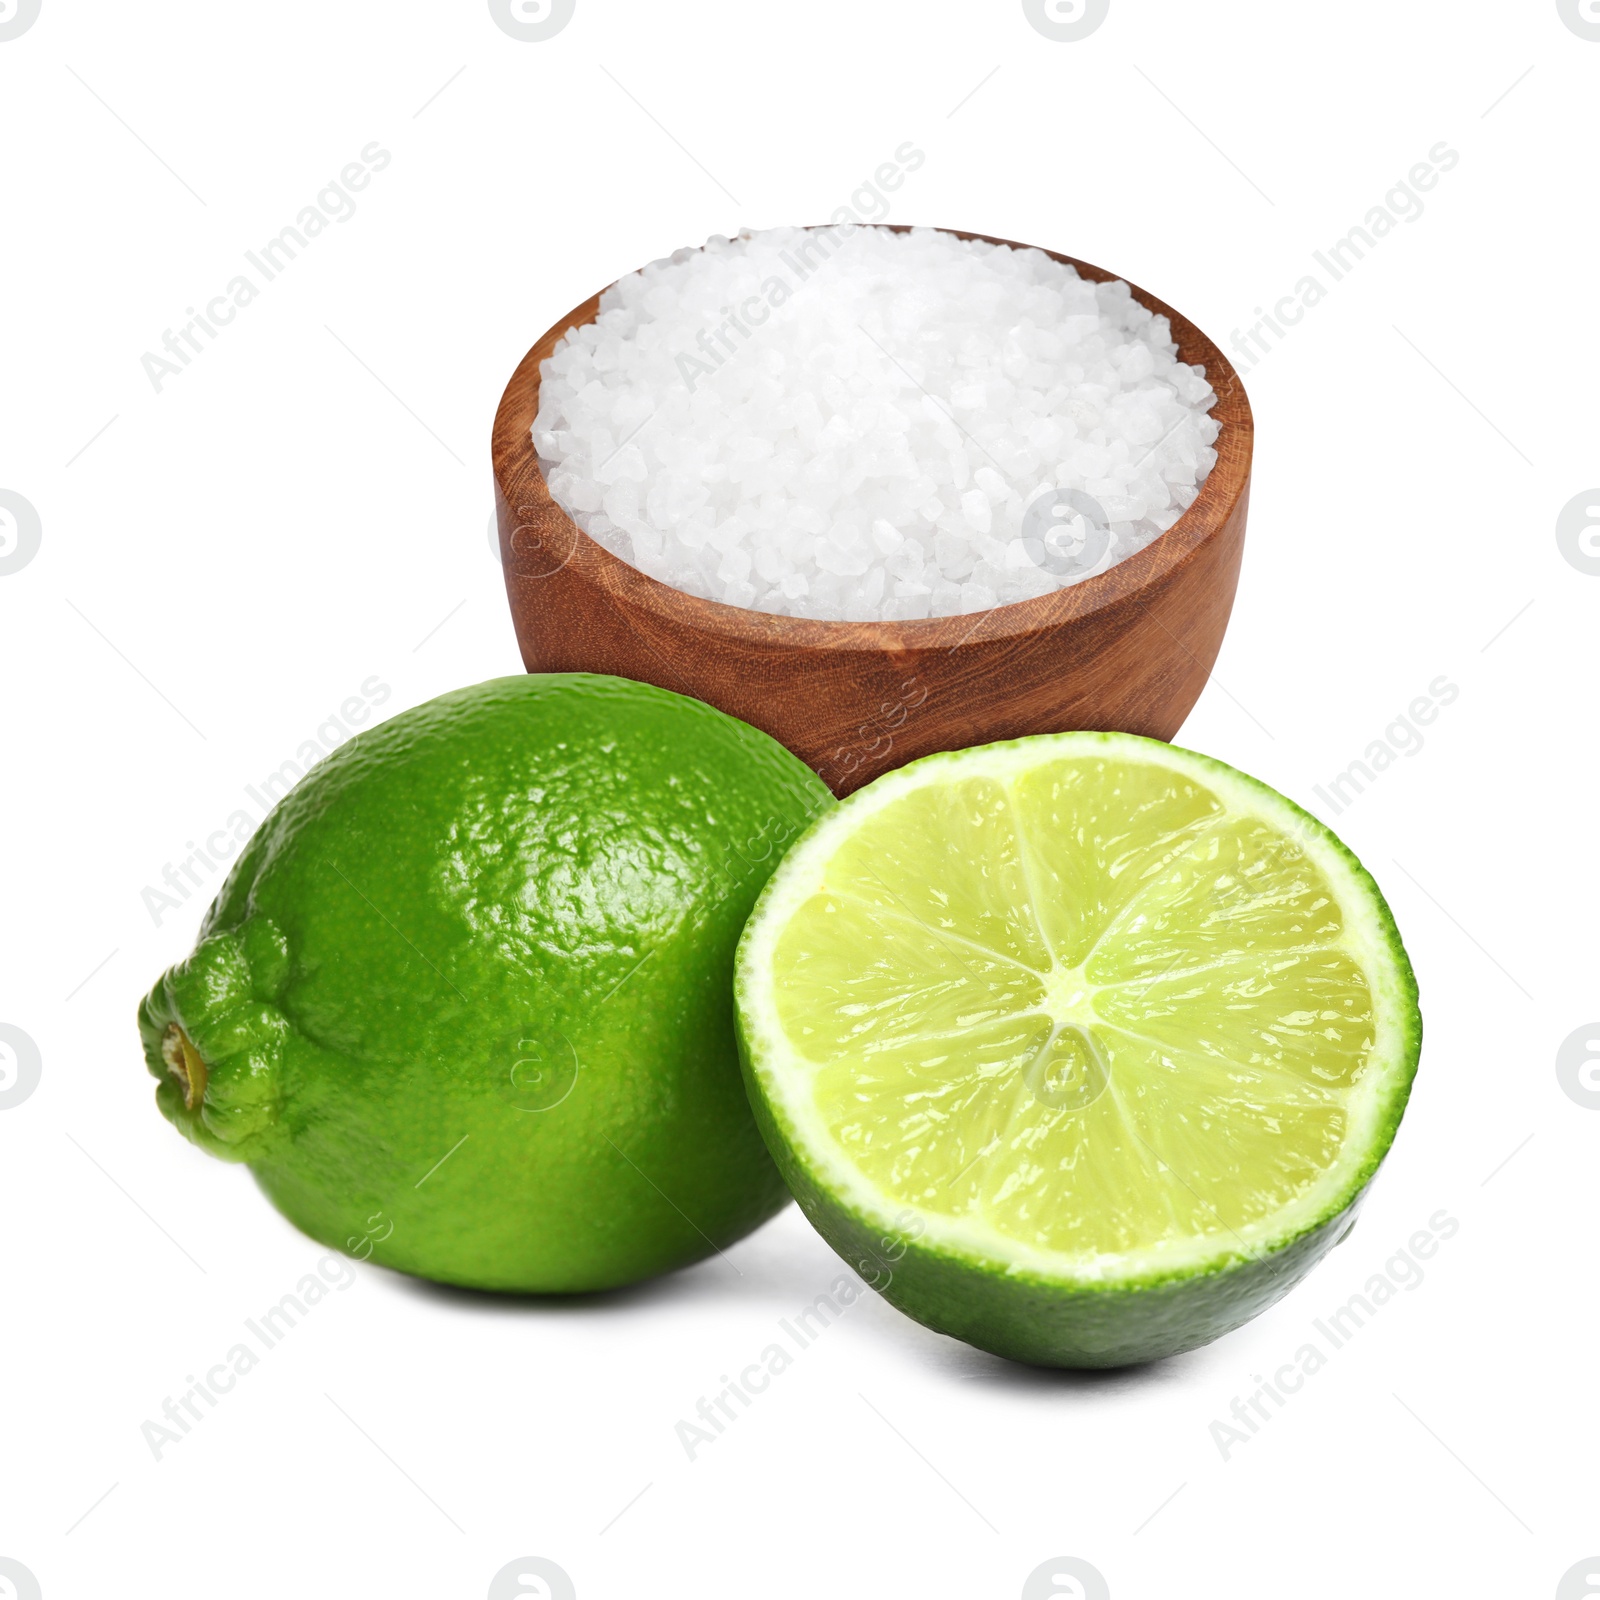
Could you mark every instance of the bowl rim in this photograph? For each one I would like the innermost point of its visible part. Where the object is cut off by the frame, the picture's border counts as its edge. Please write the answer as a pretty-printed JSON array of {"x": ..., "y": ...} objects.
[{"x": 523, "y": 499}]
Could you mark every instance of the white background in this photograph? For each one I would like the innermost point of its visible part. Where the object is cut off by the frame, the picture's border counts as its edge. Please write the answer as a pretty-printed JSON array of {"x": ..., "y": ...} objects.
[{"x": 226, "y": 561}]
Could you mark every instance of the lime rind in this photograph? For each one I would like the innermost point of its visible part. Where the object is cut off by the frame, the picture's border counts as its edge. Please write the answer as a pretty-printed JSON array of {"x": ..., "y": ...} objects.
[
  {"x": 1239, "y": 1269},
  {"x": 463, "y": 1005}
]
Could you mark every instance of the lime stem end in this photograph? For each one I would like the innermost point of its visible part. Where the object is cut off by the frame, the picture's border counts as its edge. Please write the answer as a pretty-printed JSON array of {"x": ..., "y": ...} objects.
[{"x": 185, "y": 1064}]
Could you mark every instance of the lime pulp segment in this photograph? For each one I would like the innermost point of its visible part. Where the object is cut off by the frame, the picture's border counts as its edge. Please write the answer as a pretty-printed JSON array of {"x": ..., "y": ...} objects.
[{"x": 1086, "y": 1005}]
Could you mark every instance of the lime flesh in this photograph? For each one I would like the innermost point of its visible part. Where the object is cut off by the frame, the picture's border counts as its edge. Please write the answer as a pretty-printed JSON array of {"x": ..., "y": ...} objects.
[{"x": 1082, "y": 1047}]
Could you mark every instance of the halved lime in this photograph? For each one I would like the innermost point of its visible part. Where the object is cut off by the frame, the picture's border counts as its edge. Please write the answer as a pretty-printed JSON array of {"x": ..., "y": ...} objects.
[{"x": 1082, "y": 1048}]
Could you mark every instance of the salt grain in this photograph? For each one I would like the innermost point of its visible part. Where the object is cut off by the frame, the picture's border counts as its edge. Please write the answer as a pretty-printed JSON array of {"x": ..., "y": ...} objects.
[{"x": 852, "y": 423}]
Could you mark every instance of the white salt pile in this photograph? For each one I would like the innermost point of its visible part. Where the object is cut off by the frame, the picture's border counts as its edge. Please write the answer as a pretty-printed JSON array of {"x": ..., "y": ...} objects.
[{"x": 857, "y": 424}]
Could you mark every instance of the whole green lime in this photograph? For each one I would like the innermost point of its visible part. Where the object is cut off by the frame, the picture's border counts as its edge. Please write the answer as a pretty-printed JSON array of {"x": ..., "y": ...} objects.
[{"x": 464, "y": 1003}]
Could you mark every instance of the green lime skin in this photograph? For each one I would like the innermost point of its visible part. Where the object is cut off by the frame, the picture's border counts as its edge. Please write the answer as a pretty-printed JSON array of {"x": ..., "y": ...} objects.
[
  {"x": 464, "y": 1004},
  {"x": 1037, "y": 1322}
]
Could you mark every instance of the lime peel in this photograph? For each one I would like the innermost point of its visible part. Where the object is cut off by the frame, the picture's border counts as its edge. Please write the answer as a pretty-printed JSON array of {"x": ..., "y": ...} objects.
[{"x": 463, "y": 1003}]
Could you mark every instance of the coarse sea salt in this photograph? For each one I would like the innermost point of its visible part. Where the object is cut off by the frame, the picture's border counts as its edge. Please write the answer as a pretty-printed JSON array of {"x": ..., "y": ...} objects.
[{"x": 856, "y": 424}]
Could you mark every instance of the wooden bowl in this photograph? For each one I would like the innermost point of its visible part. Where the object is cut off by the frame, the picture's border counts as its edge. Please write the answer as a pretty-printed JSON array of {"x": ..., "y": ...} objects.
[{"x": 1127, "y": 650}]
